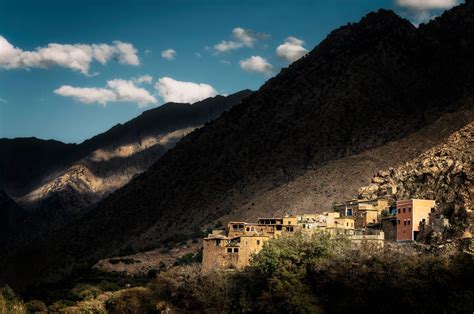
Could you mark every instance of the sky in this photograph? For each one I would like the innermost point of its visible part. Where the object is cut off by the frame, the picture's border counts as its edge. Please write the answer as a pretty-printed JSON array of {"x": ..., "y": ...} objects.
[{"x": 72, "y": 69}]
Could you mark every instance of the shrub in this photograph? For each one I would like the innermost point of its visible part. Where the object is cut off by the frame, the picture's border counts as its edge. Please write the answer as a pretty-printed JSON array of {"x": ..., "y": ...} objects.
[
  {"x": 36, "y": 306},
  {"x": 135, "y": 300}
]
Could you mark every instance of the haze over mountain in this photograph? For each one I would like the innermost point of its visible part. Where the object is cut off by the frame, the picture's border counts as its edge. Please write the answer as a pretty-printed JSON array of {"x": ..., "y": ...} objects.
[{"x": 380, "y": 83}]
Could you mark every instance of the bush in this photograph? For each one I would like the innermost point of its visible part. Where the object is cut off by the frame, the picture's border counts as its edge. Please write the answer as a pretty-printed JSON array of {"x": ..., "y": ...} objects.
[
  {"x": 36, "y": 306},
  {"x": 135, "y": 300},
  {"x": 10, "y": 302}
]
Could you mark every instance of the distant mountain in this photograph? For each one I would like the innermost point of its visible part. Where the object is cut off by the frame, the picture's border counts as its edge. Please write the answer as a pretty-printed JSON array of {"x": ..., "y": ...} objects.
[
  {"x": 369, "y": 85},
  {"x": 57, "y": 182}
]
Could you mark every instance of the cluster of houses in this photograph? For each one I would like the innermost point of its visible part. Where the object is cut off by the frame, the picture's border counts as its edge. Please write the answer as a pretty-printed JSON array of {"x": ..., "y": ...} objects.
[{"x": 370, "y": 221}]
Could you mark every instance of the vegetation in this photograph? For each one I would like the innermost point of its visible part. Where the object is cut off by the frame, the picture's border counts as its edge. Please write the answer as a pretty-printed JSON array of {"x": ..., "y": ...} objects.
[{"x": 323, "y": 274}]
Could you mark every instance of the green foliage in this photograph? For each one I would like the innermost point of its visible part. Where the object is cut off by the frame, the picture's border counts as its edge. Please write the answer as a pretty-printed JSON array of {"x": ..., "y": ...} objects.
[
  {"x": 186, "y": 288},
  {"x": 10, "y": 302},
  {"x": 36, "y": 306},
  {"x": 85, "y": 291},
  {"x": 135, "y": 300}
]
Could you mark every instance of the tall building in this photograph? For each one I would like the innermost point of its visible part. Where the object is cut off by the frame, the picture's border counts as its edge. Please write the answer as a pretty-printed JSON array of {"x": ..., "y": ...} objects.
[{"x": 410, "y": 215}]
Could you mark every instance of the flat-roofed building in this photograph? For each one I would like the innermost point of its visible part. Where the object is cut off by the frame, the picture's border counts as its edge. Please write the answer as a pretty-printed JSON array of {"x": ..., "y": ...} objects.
[{"x": 412, "y": 213}]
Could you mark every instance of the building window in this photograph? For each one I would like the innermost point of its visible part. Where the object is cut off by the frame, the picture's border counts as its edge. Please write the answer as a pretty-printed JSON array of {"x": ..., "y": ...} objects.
[
  {"x": 404, "y": 210},
  {"x": 218, "y": 242},
  {"x": 258, "y": 242},
  {"x": 399, "y": 210},
  {"x": 229, "y": 250},
  {"x": 405, "y": 222},
  {"x": 289, "y": 222},
  {"x": 236, "y": 250},
  {"x": 398, "y": 221},
  {"x": 248, "y": 229},
  {"x": 408, "y": 221},
  {"x": 409, "y": 209}
]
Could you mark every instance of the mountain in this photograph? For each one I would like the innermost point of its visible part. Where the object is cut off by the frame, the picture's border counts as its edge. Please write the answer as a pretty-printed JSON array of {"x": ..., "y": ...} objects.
[
  {"x": 444, "y": 173},
  {"x": 68, "y": 178},
  {"x": 11, "y": 215},
  {"x": 377, "y": 83}
]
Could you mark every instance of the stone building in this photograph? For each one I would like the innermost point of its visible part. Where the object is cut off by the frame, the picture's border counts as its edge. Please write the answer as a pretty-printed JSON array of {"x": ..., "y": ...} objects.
[
  {"x": 234, "y": 248},
  {"x": 364, "y": 212}
]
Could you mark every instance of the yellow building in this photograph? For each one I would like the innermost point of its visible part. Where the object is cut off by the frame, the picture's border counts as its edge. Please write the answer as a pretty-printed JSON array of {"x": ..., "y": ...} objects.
[{"x": 364, "y": 212}]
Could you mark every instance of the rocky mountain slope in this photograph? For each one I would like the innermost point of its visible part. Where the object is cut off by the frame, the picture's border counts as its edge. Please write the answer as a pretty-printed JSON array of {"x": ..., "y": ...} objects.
[
  {"x": 444, "y": 173},
  {"x": 366, "y": 85}
]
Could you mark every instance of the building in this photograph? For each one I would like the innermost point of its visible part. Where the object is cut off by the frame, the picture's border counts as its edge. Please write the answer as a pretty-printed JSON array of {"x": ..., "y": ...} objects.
[
  {"x": 364, "y": 212},
  {"x": 331, "y": 222},
  {"x": 234, "y": 248},
  {"x": 411, "y": 214}
]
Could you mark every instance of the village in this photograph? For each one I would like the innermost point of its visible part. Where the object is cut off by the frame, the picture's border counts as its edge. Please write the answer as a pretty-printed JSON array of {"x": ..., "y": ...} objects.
[{"x": 373, "y": 222}]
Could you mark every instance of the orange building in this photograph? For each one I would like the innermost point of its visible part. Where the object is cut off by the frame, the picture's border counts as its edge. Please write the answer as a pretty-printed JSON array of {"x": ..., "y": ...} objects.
[{"x": 410, "y": 215}]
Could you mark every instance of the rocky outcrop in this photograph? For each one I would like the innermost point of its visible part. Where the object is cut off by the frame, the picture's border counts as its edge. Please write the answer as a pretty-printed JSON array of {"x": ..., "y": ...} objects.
[{"x": 444, "y": 173}]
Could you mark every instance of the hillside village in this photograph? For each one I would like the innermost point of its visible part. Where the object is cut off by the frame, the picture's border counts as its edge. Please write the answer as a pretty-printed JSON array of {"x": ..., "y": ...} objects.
[{"x": 372, "y": 222}]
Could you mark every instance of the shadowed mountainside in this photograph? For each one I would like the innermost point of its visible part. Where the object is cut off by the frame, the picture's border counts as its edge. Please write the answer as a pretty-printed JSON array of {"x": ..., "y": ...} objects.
[
  {"x": 367, "y": 84},
  {"x": 110, "y": 160}
]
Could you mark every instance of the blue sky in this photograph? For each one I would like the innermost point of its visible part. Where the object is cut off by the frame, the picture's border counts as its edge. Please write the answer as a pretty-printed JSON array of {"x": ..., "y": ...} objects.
[{"x": 42, "y": 90}]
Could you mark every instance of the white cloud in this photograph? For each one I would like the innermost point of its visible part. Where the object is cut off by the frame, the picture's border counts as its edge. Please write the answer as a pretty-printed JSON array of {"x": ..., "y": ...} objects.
[
  {"x": 168, "y": 54},
  {"x": 76, "y": 57},
  {"x": 127, "y": 91},
  {"x": 197, "y": 55},
  {"x": 87, "y": 95},
  {"x": 143, "y": 79},
  {"x": 420, "y": 11},
  {"x": 117, "y": 91},
  {"x": 183, "y": 92},
  {"x": 3, "y": 100},
  {"x": 291, "y": 50},
  {"x": 242, "y": 38},
  {"x": 225, "y": 46},
  {"x": 427, "y": 4},
  {"x": 256, "y": 64}
]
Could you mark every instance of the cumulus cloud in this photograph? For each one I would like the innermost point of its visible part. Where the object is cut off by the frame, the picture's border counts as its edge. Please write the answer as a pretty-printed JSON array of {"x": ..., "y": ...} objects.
[
  {"x": 427, "y": 4},
  {"x": 291, "y": 50},
  {"x": 143, "y": 79},
  {"x": 76, "y": 57},
  {"x": 256, "y": 64},
  {"x": 168, "y": 54},
  {"x": 242, "y": 38},
  {"x": 183, "y": 92},
  {"x": 87, "y": 95},
  {"x": 117, "y": 91},
  {"x": 420, "y": 11}
]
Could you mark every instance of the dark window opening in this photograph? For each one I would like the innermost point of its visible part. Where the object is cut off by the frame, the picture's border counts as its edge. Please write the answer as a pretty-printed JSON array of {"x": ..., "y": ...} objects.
[
  {"x": 278, "y": 227},
  {"x": 236, "y": 250},
  {"x": 218, "y": 242},
  {"x": 409, "y": 209},
  {"x": 258, "y": 242},
  {"x": 404, "y": 210},
  {"x": 229, "y": 250}
]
